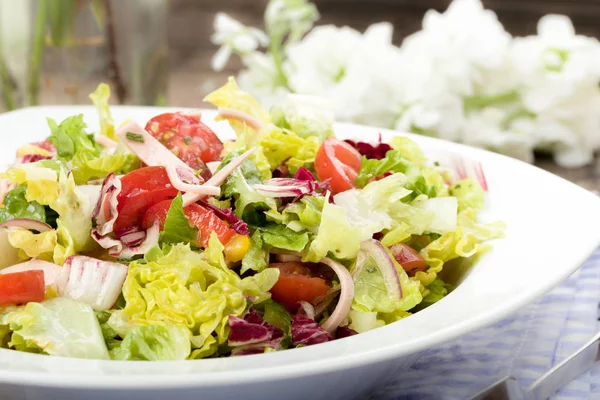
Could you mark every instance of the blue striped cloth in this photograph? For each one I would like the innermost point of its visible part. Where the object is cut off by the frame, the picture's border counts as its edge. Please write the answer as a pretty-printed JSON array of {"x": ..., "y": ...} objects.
[{"x": 524, "y": 345}]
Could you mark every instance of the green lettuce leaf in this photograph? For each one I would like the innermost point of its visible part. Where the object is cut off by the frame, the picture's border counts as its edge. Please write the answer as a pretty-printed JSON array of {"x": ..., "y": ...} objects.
[
  {"x": 70, "y": 139},
  {"x": 154, "y": 343},
  {"x": 469, "y": 193},
  {"x": 409, "y": 150},
  {"x": 335, "y": 235},
  {"x": 177, "y": 227},
  {"x": 59, "y": 326},
  {"x": 58, "y": 191},
  {"x": 181, "y": 287},
  {"x": 17, "y": 206},
  {"x": 100, "y": 99},
  {"x": 283, "y": 146},
  {"x": 371, "y": 296},
  {"x": 466, "y": 241},
  {"x": 257, "y": 257},
  {"x": 38, "y": 245},
  {"x": 306, "y": 116},
  {"x": 247, "y": 200},
  {"x": 282, "y": 237},
  {"x": 111, "y": 337},
  {"x": 100, "y": 167}
]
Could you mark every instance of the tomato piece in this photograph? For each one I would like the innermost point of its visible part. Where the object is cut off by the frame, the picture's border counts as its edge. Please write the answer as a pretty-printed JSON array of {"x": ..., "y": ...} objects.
[
  {"x": 22, "y": 287},
  {"x": 338, "y": 161},
  {"x": 187, "y": 137},
  {"x": 295, "y": 285},
  {"x": 408, "y": 258},
  {"x": 140, "y": 190},
  {"x": 205, "y": 220}
]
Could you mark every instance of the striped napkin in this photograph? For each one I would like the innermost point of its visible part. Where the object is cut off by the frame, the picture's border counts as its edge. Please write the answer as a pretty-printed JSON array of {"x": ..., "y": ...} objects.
[{"x": 524, "y": 345}]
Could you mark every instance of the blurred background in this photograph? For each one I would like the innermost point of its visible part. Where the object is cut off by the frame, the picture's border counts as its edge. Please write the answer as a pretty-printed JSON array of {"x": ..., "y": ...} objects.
[{"x": 158, "y": 52}]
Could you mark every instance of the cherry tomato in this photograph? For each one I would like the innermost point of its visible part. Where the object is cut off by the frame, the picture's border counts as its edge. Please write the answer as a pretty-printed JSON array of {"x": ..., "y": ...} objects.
[
  {"x": 205, "y": 220},
  {"x": 141, "y": 189},
  {"x": 338, "y": 161},
  {"x": 187, "y": 137},
  {"x": 22, "y": 287},
  {"x": 408, "y": 258},
  {"x": 295, "y": 284}
]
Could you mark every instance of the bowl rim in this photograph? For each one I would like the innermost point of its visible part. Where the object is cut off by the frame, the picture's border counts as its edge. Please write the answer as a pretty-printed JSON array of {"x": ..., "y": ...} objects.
[{"x": 341, "y": 354}]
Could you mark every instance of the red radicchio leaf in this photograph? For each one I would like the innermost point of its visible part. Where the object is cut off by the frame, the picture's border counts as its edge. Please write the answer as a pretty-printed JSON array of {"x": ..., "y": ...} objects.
[
  {"x": 234, "y": 222},
  {"x": 252, "y": 335},
  {"x": 307, "y": 331},
  {"x": 30, "y": 158},
  {"x": 343, "y": 331},
  {"x": 375, "y": 150}
]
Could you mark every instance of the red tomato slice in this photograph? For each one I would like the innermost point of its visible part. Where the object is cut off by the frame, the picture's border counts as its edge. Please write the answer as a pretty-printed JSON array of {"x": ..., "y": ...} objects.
[
  {"x": 295, "y": 285},
  {"x": 205, "y": 220},
  {"x": 22, "y": 287},
  {"x": 408, "y": 258},
  {"x": 141, "y": 189},
  {"x": 338, "y": 161},
  {"x": 187, "y": 137}
]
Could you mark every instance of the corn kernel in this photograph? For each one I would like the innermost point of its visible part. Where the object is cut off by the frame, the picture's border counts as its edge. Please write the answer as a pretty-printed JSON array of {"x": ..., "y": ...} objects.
[{"x": 236, "y": 248}]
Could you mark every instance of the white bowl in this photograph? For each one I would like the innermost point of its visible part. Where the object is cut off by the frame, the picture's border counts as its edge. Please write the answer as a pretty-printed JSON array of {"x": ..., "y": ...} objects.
[{"x": 553, "y": 227}]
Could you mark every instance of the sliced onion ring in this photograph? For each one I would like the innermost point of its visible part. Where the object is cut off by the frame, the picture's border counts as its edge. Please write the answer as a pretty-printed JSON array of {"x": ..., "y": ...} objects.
[
  {"x": 26, "y": 223},
  {"x": 386, "y": 266}
]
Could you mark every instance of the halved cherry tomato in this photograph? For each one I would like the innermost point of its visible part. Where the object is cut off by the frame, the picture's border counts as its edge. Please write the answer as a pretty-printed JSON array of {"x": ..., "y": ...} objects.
[
  {"x": 187, "y": 137},
  {"x": 338, "y": 161},
  {"x": 22, "y": 287},
  {"x": 408, "y": 258},
  {"x": 205, "y": 220},
  {"x": 140, "y": 190},
  {"x": 295, "y": 285}
]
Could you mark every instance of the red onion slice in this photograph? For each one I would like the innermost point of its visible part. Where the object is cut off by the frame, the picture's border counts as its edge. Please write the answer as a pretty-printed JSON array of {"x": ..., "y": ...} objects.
[
  {"x": 26, "y": 223},
  {"x": 386, "y": 266},
  {"x": 347, "y": 294},
  {"x": 218, "y": 178},
  {"x": 229, "y": 113}
]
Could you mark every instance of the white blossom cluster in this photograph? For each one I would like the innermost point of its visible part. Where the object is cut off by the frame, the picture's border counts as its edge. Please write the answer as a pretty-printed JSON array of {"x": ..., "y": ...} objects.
[{"x": 461, "y": 78}]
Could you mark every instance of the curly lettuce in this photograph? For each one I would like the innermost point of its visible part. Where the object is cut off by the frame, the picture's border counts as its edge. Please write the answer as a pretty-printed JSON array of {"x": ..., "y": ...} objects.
[{"x": 196, "y": 291}]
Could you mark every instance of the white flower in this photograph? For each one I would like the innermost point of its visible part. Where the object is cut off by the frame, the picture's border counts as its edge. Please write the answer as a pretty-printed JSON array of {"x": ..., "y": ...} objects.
[
  {"x": 559, "y": 73},
  {"x": 261, "y": 79},
  {"x": 293, "y": 17},
  {"x": 463, "y": 43},
  {"x": 490, "y": 128},
  {"x": 233, "y": 36}
]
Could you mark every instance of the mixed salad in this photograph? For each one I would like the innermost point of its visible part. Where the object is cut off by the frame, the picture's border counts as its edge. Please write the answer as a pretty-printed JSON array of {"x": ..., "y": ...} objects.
[{"x": 161, "y": 242}]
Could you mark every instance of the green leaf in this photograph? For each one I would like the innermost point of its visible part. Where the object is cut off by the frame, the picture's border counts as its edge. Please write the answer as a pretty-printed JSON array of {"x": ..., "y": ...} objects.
[
  {"x": 100, "y": 99},
  {"x": 257, "y": 258},
  {"x": 99, "y": 168},
  {"x": 17, "y": 206},
  {"x": 154, "y": 343},
  {"x": 70, "y": 139},
  {"x": 469, "y": 194},
  {"x": 393, "y": 161},
  {"x": 136, "y": 137},
  {"x": 282, "y": 237},
  {"x": 177, "y": 226},
  {"x": 59, "y": 326}
]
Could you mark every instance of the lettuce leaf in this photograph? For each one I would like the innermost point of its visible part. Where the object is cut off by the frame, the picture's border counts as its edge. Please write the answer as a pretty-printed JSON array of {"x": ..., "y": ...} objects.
[
  {"x": 38, "y": 245},
  {"x": 231, "y": 96},
  {"x": 336, "y": 235},
  {"x": 70, "y": 139},
  {"x": 58, "y": 191},
  {"x": 181, "y": 287},
  {"x": 247, "y": 200},
  {"x": 371, "y": 298},
  {"x": 282, "y": 237},
  {"x": 257, "y": 258},
  {"x": 59, "y": 326},
  {"x": 99, "y": 168},
  {"x": 177, "y": 227},
  {"x": 306, "y": 116},
  {"x": 17, "y": 206},
  {"x": 469, "y": 193},
  {"x": 283, "y": 146},
  {"x": 466, "y": 241},
  {"x": 100, "y": 99},
  {"x": 409, "y": 150},
  {"x": 154, "y": 343}
]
